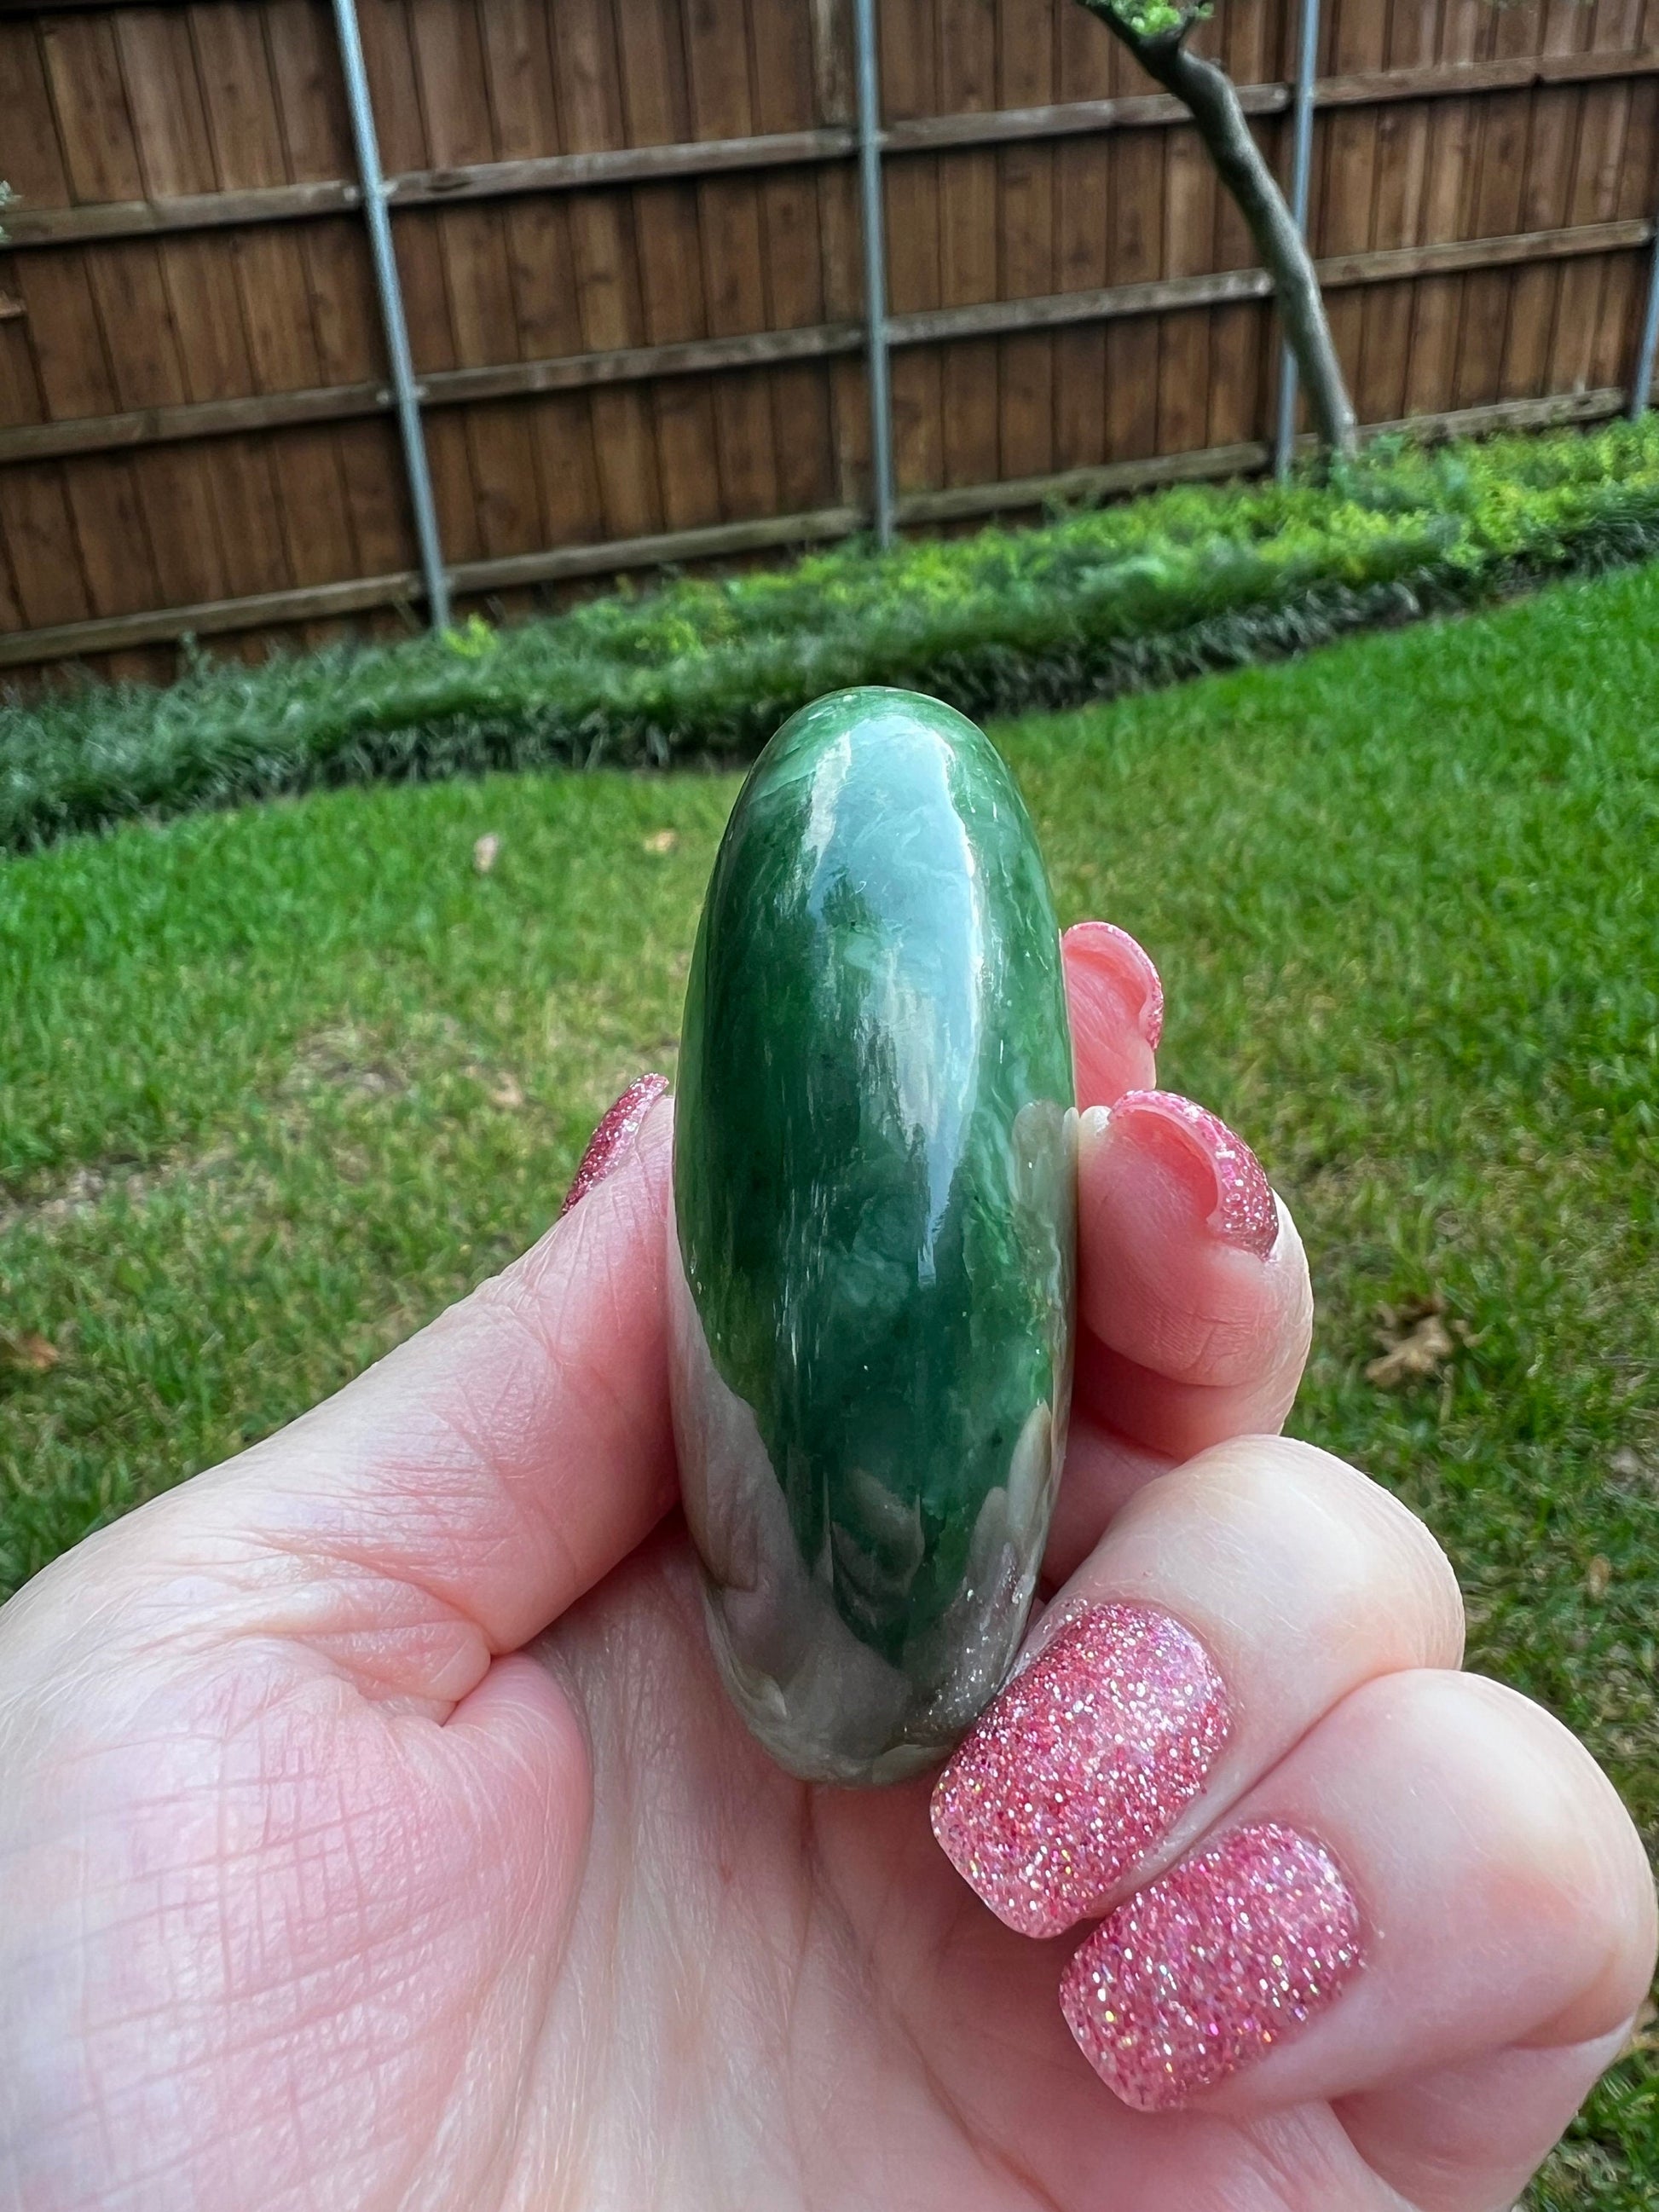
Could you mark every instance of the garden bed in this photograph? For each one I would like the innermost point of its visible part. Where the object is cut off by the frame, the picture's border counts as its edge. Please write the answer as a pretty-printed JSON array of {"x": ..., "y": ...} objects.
[{"x": 1087, "y": 607}]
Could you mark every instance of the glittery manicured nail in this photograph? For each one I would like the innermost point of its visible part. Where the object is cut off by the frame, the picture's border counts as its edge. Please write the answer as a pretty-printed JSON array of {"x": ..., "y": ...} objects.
[
  {"x": 1207, "y": 1969},
  {"x": 1107, "y": 950},
  {"x": 610, "y": 1139},
  {"x": 1222, "y": 1173},
  {"x": 1081, "y": 1765}
]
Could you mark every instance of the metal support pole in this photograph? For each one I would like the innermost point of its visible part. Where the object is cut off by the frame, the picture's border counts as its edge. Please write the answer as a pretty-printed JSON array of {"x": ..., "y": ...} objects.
[
  {"x": 875, "y": 270},
  {"x": 1647, "y": 353},
  {"x": 1307, "y": 63},
  {"x": 405, "y": 391}
]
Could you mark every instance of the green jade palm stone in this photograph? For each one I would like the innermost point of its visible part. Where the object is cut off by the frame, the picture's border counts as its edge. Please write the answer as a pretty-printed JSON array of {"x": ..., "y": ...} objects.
[{"x": 872, "y": 1255}]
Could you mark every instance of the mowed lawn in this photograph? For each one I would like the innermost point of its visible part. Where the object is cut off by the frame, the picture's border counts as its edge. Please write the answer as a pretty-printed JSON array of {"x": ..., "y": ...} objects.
[{"x": 276, "y": 1086}]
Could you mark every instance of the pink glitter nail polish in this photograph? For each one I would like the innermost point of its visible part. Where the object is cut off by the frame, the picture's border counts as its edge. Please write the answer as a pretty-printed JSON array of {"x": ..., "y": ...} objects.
[
  {"x": 620, "y": 1123},
  {"x": 1206, "y": 1970},
  {"x": 1224, "y": 1173},
  {"x": 1081, "y": 1765},
  {"x": 1105, "y": 948}
]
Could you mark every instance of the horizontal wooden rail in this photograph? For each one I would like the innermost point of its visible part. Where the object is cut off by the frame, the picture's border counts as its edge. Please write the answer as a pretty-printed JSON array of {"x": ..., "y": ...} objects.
[
  {"x": 1084, "y": 486},
  {"x": 318, "y": 602},
  {"x": 1456, "y": 79},
  {"x": 632, "y": 364},
  {"x": 1388, "y": 263},
  {"x": 198, "y": 418},
  {"x": 816, "y": 341},
  {"x": 618, "y": 165},
  {"x": 220, "y": 617},
  {"x": 1054, "y": 310},
  {"x": 212, "y": 418},
  {"x": 103, "y": 219},
  {"x": 513, "y": 570},
  {"x": 630, "y": 165}
]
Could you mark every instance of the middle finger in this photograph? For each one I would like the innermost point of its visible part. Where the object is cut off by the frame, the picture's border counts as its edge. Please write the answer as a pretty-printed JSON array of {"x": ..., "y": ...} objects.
[{"x": 1230, "y": 1606}]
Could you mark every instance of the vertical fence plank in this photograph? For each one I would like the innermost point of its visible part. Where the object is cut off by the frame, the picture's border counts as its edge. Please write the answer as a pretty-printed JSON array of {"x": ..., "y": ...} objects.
[
  {"x": 1239, "y": 334},
  {"x": 1025, "y": 70},
  {"x": 241, "y": 125},
  {"x": 733, "y": 250},
  {"x": 1134, "y": 256},
  {"x": 1623, "y": 299},
  {"x": 174, "y": 154},
  {"x": 657, "y": 111},
  {"x": 1445, "y": 202},
  {"x": 1546, "y": 187},
  {"x": 1579, "y": 290},
  {"x": 781, "y": 47},
  {"x": 541, "y": 271},
  {"x": 834, "y": 101},
  {"x": 1358, "y": 41},
  {"x": 128, "y": 287},
  {"x": 966, "y": 31},
  {"x": 87, "y": 522},
  {"x": 1402, "y": 148},
  {"x": 1505, "y": 128},
  {"x": 461, "y": 127},
  {"x": 52, "y": 585},
  {"x": 1607, "y": 128},
  {"x": 607, "y": 274},
  {"x": 906, "y": 48},
  {"x": 1189, "y": 225},
  {"x": 12, "y": 615},
  {"x": 1082, "y": 229}
]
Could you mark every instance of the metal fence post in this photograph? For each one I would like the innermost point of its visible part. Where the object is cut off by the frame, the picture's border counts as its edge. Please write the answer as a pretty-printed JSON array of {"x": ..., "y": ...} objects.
[
  {"x": 404, "y": 391},
  {"x": 875, "y": 270},
  {"x": 1647, "y": 353},
  {"x": 1307, "y": 63}
]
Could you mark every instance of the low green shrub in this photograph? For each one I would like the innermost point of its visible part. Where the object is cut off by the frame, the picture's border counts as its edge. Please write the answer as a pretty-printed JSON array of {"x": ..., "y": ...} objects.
[{"x": 1091, "y": 603}]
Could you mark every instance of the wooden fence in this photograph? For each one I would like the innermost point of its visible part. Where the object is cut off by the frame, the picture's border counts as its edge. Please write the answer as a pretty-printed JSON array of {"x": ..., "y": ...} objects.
[{"x": 627, "y": 235}]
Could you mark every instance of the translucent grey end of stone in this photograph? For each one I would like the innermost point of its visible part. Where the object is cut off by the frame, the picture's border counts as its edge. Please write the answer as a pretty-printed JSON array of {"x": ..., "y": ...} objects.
[{"x": 823, "y": 1705}]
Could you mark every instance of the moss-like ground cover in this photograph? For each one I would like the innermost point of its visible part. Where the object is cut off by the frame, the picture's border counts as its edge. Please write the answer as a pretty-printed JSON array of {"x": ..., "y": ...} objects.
[
  {"x": 1091, "y": 605},
  {"x": 276, "y": 1085}
]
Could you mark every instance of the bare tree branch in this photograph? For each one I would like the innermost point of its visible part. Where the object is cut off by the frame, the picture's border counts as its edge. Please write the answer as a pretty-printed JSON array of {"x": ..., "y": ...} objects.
[{"x": 1157, "y": 35}]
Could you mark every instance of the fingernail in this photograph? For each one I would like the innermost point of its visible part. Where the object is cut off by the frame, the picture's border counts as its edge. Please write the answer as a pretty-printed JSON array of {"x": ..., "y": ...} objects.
[
  {"x": 1206, "y": 1970},
  {"x": 616, "y": 1132},
  {"x": 1081, "y": 1765},
  {"x": 1222, "y": 1174},
  {"x": 1115, "y": 956}
]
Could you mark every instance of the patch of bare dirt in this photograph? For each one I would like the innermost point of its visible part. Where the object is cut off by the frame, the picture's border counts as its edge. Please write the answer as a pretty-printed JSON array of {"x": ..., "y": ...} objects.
[{"x": 89, "y": 1186}]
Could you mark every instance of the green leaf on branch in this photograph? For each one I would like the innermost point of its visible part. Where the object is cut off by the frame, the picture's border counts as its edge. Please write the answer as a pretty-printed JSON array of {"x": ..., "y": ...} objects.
[{"x": 1151, "y": 19}]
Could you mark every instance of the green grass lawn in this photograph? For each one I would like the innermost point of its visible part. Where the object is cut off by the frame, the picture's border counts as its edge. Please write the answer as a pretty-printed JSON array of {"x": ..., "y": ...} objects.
[{"x": 276, "y": 1086}]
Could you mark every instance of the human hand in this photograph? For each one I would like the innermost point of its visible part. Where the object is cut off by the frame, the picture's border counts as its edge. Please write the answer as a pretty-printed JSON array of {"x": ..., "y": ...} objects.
[{"x": 374, "y": 1831}]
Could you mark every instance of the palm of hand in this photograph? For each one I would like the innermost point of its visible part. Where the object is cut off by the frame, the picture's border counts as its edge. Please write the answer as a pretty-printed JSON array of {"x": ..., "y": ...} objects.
[{"x": 333, "y": 1954}]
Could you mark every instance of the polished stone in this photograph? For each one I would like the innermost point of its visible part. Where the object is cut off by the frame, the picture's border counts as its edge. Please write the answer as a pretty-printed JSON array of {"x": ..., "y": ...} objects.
[{"x": 871, "y": 1264}]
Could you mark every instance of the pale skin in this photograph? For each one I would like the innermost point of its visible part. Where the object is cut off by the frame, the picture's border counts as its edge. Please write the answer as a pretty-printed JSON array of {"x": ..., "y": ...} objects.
[{"x": 373, "y": 1833}]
